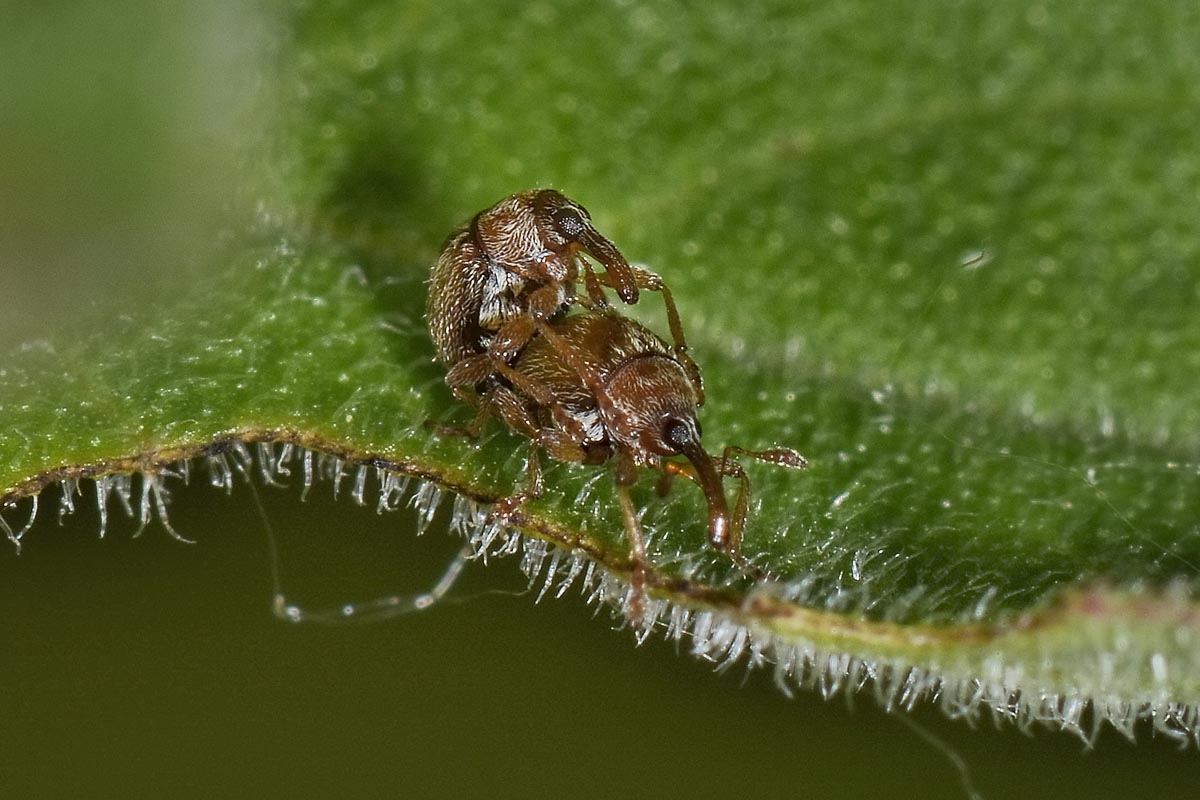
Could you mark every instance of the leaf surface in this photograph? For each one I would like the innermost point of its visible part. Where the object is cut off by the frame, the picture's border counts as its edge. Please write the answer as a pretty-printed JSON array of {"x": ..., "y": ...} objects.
[{"x": 952, "y": 259}]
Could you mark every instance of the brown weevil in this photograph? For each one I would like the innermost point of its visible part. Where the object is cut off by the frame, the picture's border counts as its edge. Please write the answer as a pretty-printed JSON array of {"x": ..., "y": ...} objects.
[
  {"x": 514, "y": 267},
  {"x": 629, "y": 400}
]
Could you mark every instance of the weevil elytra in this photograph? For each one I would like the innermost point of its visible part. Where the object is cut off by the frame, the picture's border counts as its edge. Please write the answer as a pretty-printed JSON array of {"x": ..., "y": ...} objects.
[{"x": 515, "y": 266}]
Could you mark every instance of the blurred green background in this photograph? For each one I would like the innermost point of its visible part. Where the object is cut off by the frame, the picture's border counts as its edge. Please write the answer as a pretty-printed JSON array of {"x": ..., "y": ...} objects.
[
  {"x": 150, "y": 667},
  {"x": 117, "y": 151}
]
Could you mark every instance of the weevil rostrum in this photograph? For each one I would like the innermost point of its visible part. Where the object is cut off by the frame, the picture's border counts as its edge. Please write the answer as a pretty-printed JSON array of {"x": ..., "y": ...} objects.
[{"x": 587, "y": 386}]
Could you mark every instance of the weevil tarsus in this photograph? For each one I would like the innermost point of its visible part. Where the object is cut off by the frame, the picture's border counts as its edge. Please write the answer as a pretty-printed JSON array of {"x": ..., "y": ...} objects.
[
  {"x": 534, "y": 487},
  {"x": 780, "y": 456},
  {"x": 637, "y": 555}
]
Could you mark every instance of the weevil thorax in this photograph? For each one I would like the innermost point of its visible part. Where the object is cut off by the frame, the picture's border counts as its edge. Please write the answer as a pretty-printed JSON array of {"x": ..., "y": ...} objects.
[
  {"x": 649, "y": 402},
  {"x": 533, "y": 235}
]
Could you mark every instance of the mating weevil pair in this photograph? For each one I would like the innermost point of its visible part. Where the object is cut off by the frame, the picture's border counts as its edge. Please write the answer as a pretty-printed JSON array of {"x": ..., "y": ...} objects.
[{"x": 587, "y": 386}]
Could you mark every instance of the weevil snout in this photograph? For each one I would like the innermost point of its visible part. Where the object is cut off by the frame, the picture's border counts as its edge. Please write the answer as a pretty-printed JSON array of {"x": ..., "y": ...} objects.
[
  {"x": 570, "y": 228},
  {"x": 687, "y": 439},
  {"x": 607, "y": 254}
]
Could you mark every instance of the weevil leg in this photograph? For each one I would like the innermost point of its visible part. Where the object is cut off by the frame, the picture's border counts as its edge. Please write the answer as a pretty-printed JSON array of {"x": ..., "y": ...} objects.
[
  {"x": 592, "y": 284},
  {"x": 780, "y": 456},
  {"x": 379, "y": 608},
  {"x": 731, "y": 544},
  {"x": 513, "y": 410},
  {"x": 626, "y": 476},
  {"x": 516, "y": 414},
  {"x": 557, "y": 444},
  {"x": 542, "y": 395},
  {"x": 729, "y": 467},
  {"x": 669, "y": 469},
  {"x": 651, "y": 281},
  {"x": 510, "y": 340},
  {"x": 560, "y": 446},
  {"x": 472, "y": 429},
  {"x": 572, "y": 358},
  {"x": 538, "y": 392},
  {"x": 471, "y": 371},
  {"x": 504, "y": 510},
  {"x": 546, "y": 302},
  {"x": 637, "y": 557}
]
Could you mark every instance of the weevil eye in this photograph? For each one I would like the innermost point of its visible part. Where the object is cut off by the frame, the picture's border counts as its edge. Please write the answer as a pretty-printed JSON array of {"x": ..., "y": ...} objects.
[
  {"x": 569, "y": 223},
  {"x": 678, "y": 434}
]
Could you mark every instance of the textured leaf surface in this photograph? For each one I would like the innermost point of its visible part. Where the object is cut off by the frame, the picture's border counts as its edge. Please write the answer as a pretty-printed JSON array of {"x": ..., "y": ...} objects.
[{"x": 951, "y": 258}]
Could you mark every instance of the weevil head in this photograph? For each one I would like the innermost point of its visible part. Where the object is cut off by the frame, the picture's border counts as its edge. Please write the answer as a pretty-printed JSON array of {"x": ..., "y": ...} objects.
[
  {"x": 652, "y": 413},
  {"x": 648, "y": 399},
  {"x": 567, "y": 227}
]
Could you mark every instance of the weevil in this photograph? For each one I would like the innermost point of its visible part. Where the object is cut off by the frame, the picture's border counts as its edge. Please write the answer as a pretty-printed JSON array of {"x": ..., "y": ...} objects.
[
  {"x": 514, "y": 267},
  {"x": 630, "y": 401}
]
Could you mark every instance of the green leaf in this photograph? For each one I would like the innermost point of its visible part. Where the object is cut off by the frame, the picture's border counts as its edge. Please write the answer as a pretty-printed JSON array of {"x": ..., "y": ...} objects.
[{"x": 951, "y": 258}]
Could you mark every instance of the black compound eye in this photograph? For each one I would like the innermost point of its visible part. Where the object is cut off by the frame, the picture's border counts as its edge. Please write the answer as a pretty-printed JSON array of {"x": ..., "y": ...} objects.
[
  {"x": 677, "y": 433},
  {"x": 569, "y": 223}
]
